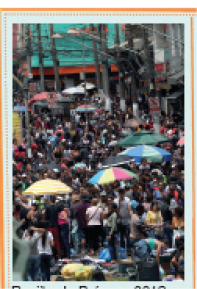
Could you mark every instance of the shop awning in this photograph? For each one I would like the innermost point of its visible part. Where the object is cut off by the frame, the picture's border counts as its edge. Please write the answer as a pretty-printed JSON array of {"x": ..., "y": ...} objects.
[{"x": 173, "y": 97}]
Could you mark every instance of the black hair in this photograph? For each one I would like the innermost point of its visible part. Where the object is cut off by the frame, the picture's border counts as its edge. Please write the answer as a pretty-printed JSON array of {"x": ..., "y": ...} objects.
[
  {"x": 52, "y": 199},
  {"x": 114, "y": 206},
  {"x": 44, "y": 236},
  {"x": 140, "y": 208},
  {"x": 121, "y": 191},
  {"x": 165, "y": 241}
]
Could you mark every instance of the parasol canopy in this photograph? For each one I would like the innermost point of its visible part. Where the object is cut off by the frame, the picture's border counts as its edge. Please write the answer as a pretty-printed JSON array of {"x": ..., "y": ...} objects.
[
  {"x": 86, "y": 108},
  {"x": 148, "y": 152},
  {"x": 133, "y": 122},
  {"x": 88, "y": 85},
  {"x": 47, "y": 187},
  {"x": 181, "y": 142},
  {"x": 111, "y": 175},
  {"x": 116, "y": 160},
  {"x": 74, "y": 90},
  {"x": 143, "y": 137}
]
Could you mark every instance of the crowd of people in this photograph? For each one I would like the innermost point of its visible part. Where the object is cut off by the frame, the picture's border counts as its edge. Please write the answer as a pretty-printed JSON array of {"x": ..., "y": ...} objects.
[{"x": 146, "y": 213}]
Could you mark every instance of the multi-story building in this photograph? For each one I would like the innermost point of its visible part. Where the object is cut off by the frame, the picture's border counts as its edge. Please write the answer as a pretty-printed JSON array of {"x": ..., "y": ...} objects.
[{"x": 69, "y": 52}]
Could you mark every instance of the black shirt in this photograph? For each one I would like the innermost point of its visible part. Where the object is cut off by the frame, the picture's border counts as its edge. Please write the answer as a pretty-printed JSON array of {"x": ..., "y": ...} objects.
[
  {"x": 166, "y": 213},
  {"x": 52, "y": 216}
]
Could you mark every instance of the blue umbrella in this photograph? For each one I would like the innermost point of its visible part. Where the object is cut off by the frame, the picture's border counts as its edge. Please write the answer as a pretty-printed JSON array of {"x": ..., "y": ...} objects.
[
  {"x": 19, "y": 108},
  {"x": 148, "y": 152}
]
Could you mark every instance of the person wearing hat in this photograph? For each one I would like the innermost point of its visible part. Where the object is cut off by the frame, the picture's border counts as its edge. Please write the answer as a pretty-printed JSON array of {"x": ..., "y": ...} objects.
[{"x": 80, "y": 214}]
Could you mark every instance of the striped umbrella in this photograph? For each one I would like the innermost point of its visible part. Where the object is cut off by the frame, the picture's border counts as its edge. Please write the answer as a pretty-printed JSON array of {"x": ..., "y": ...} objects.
[
  {"x": 88, "y": 85},
  {"x": 148, "y": 152},
  {"x": 47, "y": 187},
  {"x": 111, "y": 175},
  {"x": 88, "y": 108}
]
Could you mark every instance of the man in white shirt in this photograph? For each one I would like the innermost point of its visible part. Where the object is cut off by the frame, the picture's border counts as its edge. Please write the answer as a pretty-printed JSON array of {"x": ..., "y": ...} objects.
[{"x": 124, "y": 207}]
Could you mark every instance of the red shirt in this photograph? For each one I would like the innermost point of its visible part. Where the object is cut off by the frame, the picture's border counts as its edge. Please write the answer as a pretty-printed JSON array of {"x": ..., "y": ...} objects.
[
  {"x": 19, "y": 165},
  {"x": 176, "y": 195},
  {"x": 34, "y": 146},
  {"x": 62, "y": 134},
  {"x": 19, "y": 154}
]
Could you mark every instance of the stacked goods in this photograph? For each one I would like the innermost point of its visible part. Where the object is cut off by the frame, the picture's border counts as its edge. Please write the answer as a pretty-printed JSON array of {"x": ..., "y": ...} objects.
[{"x": 77, "y": 272}]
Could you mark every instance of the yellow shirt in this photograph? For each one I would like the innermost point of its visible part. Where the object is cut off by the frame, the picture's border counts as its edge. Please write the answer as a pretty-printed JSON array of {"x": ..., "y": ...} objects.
[
  {"x": 177, "y": 222},
  {"x": 154, "y": 217}
]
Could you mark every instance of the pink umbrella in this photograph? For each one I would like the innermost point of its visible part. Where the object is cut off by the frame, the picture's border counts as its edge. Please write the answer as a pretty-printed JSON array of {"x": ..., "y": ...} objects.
[
  {"x": 134, "y": 122},
  {"x": 40, "y": 97},
  {"x": 181, "y": 141}
]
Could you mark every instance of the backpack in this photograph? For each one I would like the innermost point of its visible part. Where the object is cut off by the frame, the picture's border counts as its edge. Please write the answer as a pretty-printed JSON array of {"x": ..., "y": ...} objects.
[{"x": 148, "y": 270}]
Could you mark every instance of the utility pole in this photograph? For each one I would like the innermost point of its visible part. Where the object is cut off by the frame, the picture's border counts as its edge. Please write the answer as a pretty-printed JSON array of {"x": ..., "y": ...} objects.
[
  {"x": 120, "y": 72},
  {"x": 97, "y": 65},
  {"x": 149, "y": 67},
  {"x": 105, "y": 74},
  {"x": 26, "y": 90},
  {"x": 41, "y": 66},
  {"x": 129, "y": 37},
  {"x": 84, "y": 79},
  {"x": 55, "y": 60}
]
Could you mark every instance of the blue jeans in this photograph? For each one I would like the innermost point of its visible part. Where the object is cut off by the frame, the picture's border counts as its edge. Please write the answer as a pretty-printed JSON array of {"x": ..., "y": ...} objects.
[
  {"x": 65, "y": 238},
  {"x": 33, "y": 268},
  {"x": 45, "y": 261},
  {"x": 141, "y": 249},
  {"x": 112, "y": 247},
  {"x": 124, "y": 233},
  {"x": 168, "y": 233}
]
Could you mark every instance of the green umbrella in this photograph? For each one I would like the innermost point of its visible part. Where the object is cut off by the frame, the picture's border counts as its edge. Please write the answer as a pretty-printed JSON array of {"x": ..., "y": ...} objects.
[{"x": 143, "y": 137}]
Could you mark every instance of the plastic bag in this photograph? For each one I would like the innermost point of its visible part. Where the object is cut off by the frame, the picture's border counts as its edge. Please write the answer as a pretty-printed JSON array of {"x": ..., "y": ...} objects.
[
  {"x": 69, "y": 270},
  {"x": 105, "y": 255},
  {"x": 122, "y": 253},
  {"x": 84, "y": 274}
]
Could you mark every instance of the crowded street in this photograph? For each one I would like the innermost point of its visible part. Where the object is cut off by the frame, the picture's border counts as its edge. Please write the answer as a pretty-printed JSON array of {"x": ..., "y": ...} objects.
[{"x": 98, "y": 179}]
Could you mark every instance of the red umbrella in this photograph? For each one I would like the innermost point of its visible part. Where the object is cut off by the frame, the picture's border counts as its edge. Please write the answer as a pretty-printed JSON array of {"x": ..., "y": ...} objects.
[
  {"x": 181, "y": 141},
  {"x": 40, "y": 97}
]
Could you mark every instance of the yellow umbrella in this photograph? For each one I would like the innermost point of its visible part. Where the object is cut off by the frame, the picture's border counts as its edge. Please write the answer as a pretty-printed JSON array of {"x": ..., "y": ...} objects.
[{"x": 47, "y": 187}]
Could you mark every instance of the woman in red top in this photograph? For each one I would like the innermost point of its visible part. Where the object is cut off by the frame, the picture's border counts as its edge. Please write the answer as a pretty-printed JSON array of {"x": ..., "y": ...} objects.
[{"x": 63, "y": 222}]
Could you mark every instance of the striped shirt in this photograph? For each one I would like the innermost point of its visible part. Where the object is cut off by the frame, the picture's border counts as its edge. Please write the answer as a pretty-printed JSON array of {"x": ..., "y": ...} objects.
[{"x": 80, "y": 214}]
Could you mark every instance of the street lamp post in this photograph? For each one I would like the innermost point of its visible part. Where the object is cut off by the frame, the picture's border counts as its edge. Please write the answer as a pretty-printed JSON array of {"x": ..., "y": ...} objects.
[{"x": 84, "y": 79}]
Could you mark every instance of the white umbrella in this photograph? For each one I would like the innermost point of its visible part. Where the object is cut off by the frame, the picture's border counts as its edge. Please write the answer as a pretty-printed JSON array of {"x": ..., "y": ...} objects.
[
  {"x": 113, "y": 143},
  {"x": 74, "y": 90}
]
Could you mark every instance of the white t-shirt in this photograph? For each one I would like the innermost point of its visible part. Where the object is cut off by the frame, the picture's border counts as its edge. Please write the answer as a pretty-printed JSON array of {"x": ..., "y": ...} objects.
[
  {"x": 94, "y": 213},
  {"x": 126, "y": 217},
  {"x": 47, "y": 249},
  {"x": 144, "y": 167}
]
